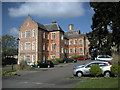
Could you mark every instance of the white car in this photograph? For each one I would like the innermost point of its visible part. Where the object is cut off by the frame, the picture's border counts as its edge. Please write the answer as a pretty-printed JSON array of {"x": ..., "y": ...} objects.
[
  {"x": 81, "y": 70},
  {"x": 30, "y": 64},
  {"x": 104, "y": 57}
]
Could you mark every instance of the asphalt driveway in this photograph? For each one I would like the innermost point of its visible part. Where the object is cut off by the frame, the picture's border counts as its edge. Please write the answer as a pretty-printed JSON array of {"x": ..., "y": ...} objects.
[{"x": 57, "y": 77}]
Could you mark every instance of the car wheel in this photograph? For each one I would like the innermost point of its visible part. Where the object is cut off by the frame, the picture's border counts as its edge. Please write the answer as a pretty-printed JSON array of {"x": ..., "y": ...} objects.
[
  {"x": 65, "y": 62},
  {"x": 107, "y": 74},
  {"x": 48, "y": 66},
  {"x": 79, "y": 74},
  {"x": 38, "y": 66},
  {"x": 73, "y": 61}
]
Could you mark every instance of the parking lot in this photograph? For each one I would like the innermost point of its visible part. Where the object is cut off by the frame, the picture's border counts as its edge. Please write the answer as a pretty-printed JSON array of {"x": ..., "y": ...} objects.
[{"x": 57, "y": 77}]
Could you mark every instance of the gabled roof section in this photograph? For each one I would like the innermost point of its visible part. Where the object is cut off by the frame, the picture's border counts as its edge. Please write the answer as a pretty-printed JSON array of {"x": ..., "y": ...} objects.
[{"x": 41, "y": 26}]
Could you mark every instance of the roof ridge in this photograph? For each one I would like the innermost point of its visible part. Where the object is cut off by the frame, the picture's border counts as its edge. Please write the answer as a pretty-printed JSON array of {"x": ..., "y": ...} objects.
[{"x": 48, "y": 24}]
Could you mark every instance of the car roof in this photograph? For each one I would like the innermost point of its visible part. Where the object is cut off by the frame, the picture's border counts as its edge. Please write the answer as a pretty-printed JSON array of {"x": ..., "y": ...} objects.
[{"x": 98, "y": 62}]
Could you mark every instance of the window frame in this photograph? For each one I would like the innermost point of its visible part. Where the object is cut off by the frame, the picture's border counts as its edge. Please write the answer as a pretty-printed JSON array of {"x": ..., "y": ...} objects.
[
  {"x": 75, "y": 42},
  {"x": 27, "y": 36},
  {"x": 53, "y": 36},
  {"x": 70, "y": 42},
  {"x": 53, "y": 48},
  {"x": 26, "y": 47},
  {"x": 80, "y": 41},
  {"x": 80, "y": 50}
]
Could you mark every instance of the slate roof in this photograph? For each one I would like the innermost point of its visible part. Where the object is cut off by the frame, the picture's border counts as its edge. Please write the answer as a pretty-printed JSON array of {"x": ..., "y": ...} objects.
[
  {"x": 50, "y": 27},
  {"x": 74, "y": 36},
  {"x": 56, "y": 27},
  {"x": 41, "y": 26},
  {"x": 53, "y": 27},
  {"x": 72, "y": 31}
]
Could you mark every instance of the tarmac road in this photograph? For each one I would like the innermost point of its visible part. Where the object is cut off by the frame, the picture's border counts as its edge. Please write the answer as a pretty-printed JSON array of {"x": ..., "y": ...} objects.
[{"x": 57, "y": 77}]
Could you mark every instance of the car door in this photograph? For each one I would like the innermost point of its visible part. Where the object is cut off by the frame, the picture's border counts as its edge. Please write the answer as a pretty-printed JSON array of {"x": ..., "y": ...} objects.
[
  {"x": 102, "y": 66},
  {"x": 87, "y": 68}
]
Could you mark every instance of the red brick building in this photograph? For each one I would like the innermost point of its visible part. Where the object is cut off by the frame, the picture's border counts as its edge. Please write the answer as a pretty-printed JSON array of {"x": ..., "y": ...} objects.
[{"x": 43, "y": 42}]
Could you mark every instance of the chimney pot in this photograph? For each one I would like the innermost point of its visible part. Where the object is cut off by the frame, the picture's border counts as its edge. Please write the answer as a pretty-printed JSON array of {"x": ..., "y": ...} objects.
[{"x": 71, "y": 27}]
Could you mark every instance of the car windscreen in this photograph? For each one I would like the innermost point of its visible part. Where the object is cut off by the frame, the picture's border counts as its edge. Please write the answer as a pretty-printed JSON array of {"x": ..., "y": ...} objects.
[{"x": 104, "y": 56}]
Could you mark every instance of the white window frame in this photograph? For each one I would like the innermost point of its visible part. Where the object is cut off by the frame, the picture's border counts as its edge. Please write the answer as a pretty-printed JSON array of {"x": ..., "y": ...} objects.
[
  {"x": 33, "y": 45},
  {"x": 26, "y": 33},
  {"x": 70, "y": 50},
  {"x": 26, "y": 59},
  {"x": 62, "y": 50},
  {"x": 33, "y": 58},
  {"x": 52, "y": 47},
  {"x": 75, "y": 50},
  {"x": 27, "y": 47},
  {"x": 22, "y": 34},
  {"x": 75, "y": 41},
  {"x": 80, "y": 50},
  {"x": 33, "y": 33},
  {"x": 70, "y": 42},
  {"x": 80, "y": 41},
  {"x": 53, "y": 36},
  {"x": 21, "y": 46}
]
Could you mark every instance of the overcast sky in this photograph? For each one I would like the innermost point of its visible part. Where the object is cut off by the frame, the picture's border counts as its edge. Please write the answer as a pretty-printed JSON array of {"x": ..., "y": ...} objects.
[{"x": 77, "y": 13}]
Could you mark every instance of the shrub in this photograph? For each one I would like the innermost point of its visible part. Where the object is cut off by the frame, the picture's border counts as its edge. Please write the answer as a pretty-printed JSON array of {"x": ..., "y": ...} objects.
[
  {"x": 116, "y": 58},
  {"x": 60, "y": 60},
  {"x": 38, "y": 61},
  {"x": 13, "y": 73},
  {"x": 115, "y": 69},
  {"x": 8, "y": 72},
  {"x": 55, "y": 62},
  {"x": 95, "y": 70},
  {"x": 78, "y": 56},
  {"x": 23, "y": 66}
]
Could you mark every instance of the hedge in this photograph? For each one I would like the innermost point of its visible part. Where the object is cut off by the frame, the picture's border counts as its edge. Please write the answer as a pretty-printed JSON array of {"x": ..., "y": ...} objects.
[{"x": 95, "y": 70}]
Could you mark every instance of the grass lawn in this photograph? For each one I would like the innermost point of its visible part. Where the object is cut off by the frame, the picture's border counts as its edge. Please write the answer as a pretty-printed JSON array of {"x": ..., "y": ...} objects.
[{"x": 111, "y": 82}]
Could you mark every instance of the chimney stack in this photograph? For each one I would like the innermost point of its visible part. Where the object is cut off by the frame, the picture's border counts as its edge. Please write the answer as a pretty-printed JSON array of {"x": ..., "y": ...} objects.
[
  {"x": 54, "y": 22},
  {"x": 71, "y": 27}
]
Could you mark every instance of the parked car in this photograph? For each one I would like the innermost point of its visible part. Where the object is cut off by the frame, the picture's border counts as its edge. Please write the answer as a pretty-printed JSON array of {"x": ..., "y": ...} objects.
[
  {"x": 104, "y": 58},
  {"x": 82, "y": 58},
  {"x": 31, "y": 64},
  {"x": 81, "y": 70},
  {"x": 45, "y": 64},
  {"x": 67, "y": 60}
]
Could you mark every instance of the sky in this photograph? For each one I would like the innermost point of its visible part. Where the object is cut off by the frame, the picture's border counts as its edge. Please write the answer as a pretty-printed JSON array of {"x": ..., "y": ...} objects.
[{"x": 77, "y": 13}]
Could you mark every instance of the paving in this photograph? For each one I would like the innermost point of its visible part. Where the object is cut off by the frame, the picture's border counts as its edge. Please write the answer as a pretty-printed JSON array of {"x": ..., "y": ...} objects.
[{"x": 57, "y": 77}]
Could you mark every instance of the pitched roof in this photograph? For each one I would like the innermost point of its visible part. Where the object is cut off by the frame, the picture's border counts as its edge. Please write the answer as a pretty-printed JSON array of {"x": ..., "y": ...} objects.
[
  {"x": 41, "y": 26},
  {"x": 74, "y": 36},
  {"x": 53, "y": 27}
]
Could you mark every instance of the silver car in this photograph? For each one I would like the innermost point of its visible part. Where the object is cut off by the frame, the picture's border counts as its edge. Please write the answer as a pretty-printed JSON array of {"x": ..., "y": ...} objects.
[{"x": 81, "y": 70}]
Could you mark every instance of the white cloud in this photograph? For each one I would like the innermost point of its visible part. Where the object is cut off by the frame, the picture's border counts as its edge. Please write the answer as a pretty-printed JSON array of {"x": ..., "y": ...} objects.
[
  {"x": 13, "y": 31},
  {"x": 48, "y": 9}
]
